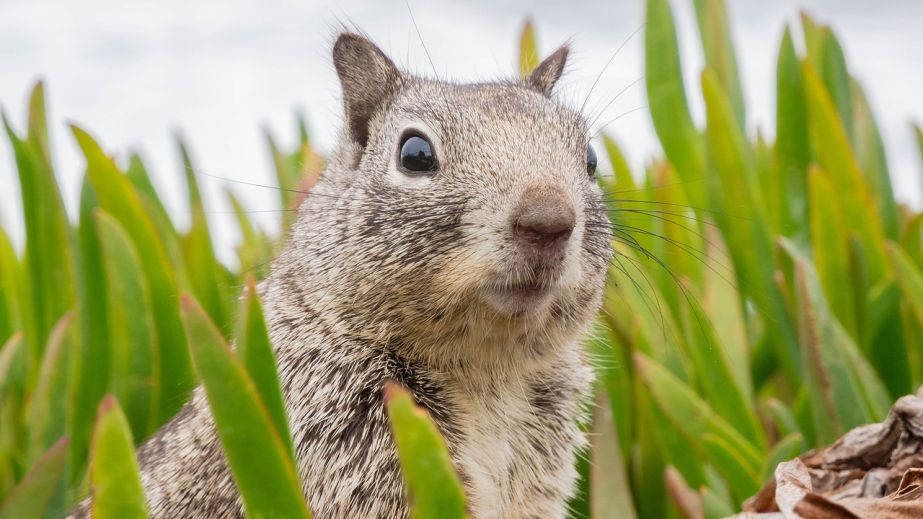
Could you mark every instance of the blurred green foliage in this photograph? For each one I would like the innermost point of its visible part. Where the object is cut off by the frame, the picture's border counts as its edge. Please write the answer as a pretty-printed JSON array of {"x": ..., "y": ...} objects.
[{"x": 766, "y": 297}]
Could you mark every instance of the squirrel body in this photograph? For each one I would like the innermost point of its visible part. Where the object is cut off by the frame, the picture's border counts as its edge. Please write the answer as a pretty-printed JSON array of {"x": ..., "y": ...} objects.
[{"x": 470, "y": 283}]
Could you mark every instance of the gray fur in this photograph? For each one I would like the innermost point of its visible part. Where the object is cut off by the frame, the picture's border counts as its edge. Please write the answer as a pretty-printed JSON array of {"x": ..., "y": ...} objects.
[{"x": 388, "y": 276}]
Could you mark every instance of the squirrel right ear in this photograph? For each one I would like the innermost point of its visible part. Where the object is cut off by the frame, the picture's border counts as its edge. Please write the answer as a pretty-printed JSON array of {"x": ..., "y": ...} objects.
[
  {"x": 549, "y": 71},
  {"x": 368, "y": 79}
]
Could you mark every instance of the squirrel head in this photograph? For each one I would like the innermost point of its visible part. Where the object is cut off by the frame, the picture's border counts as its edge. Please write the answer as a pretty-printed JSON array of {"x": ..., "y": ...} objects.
[{"x": 453, "y": 218}]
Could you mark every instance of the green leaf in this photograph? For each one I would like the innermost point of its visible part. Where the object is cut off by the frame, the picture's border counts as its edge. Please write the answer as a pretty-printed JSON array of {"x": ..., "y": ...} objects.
[
  {"x": 909, "y": 279},
  {"x": 732, "y": 465},
  {"x": 154, "y": 208},
  {"x": 610, "y": 494},
  {"x": 845, "y": 392},
  {"x": 9, "y": 288},
  {"x": 528, "y": 49},
  {"x": 624, "y": 181},
  {"x": 689, "y": 413},
  {"x": 199, "y": 251},
  {"x": 833, "y": 151},
  {"x": 117, "y": 197},
  {"x": 135, "y": 363},
  {"x": 91, "y": 373},
  {"x": 12, "y": 360},
  {"x": 31, "y": 497},
  {"x": 713, "y": 370},
  {"x": 647, "y": 461},
  {"x": 434, "y": 487},
  {"x": 712, "y": 18},
  {"x": 829, "y": 237},
  {"x": 117, "y": 491},
  {"x": 744, "y": 223},
  {"x": 716, "y": 506},
  {"x": 259, "y": 460},
  {"x": 786, "y": 449},
  {"x": 782, "y": 416},
  {"x": 666, "y": 96},
  {"x": 836, "y": 78},
  {"x": 255, "y": 351},
  {"x": 48, "y": 257},
  {"x": 919, "y": 134},
  {"x": 722, "y": 299},
  {"x": 47, "y": 407},
  {"x": 256, "y": 249},
  {"x": 870, "y": 151},
  {"x": 792, "y": 147},
  {"x": 635, "y": 310},
  {"x": 613, "y": 371}
]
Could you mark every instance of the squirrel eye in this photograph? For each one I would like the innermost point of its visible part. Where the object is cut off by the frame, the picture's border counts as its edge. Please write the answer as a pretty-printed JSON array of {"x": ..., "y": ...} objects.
[
  {"x": 416, "y": 155},
  {"x": 590, "y": 160}
]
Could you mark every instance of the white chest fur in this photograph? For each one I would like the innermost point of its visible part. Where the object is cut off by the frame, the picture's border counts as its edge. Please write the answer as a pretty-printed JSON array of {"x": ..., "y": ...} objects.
[{"x": 515, "y": 453}]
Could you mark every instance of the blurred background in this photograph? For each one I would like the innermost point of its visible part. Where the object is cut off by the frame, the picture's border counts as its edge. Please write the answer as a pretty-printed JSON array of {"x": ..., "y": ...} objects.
[{"x": 218, "y": 72}]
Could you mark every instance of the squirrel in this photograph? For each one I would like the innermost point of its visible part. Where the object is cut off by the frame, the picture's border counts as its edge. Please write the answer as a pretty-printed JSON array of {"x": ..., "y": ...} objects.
[{"x": 458, "y": 243}]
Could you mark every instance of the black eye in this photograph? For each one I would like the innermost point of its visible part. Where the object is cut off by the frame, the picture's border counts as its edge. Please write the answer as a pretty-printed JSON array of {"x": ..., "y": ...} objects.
[
  {"x": 416, "y": 155},
  {"x": 590, "y": 160}
]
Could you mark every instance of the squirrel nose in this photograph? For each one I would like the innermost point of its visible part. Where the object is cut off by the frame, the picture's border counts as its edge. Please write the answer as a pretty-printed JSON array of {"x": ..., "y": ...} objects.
[{"x": 543, "y": 222}]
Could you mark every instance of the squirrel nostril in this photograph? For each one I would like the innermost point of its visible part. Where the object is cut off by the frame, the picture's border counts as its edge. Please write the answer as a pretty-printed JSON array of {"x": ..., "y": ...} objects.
[
  {"x": 544, "y": 221},
  {"x": 544, "y": 233}
]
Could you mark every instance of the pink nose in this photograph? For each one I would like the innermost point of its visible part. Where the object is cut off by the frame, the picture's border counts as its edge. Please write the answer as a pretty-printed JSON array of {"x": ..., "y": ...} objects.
[{"x": 543, "y": 222}]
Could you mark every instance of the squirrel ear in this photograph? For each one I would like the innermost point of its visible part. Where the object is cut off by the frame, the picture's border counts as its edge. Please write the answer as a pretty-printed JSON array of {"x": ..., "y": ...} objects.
[
  {"x": 548, "y": 72},
  {"x": 368, "y": 79}
]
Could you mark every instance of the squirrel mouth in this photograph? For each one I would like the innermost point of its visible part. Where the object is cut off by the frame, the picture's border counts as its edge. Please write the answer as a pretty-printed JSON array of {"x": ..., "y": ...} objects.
[
  {"x": 526, "y": 289},
  {"x": 520, "y": 298}
]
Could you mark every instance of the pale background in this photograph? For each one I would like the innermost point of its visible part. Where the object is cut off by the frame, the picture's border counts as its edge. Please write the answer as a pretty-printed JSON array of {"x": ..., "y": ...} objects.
[{"x": 133, "y": 72}]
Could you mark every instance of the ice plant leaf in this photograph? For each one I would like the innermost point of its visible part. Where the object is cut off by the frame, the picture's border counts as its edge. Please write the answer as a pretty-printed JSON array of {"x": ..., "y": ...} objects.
[{"x": 435, "y": 489}]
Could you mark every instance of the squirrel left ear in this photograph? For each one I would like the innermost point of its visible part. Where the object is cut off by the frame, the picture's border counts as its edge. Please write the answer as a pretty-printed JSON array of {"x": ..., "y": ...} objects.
[
  {"x": 368, "y": 79},
  {"x": 549, "y": 71}
]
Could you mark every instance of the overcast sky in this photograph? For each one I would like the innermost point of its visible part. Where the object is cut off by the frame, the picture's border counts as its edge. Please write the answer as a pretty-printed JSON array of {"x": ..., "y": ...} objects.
[{"x": 134, "y": 72}]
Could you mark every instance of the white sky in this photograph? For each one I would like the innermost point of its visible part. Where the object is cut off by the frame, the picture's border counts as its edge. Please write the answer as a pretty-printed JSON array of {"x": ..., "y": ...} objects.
[{"x": 134, "y": 72}]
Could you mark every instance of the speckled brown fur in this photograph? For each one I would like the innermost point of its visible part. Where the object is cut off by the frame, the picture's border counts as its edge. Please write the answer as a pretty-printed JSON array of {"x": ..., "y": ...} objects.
[{"x": 391, "y": 276}]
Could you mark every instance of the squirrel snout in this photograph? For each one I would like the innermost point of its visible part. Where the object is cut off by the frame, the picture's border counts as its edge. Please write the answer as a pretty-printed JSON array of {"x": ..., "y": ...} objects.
[{"x": 543, "y": 222}]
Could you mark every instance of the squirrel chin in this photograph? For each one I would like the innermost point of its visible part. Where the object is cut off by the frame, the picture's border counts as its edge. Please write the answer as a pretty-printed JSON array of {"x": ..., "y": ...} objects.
[{"x": 519, "y": 301}]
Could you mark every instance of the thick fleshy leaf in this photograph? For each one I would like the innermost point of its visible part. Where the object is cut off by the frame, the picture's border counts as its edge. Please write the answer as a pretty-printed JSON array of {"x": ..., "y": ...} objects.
[
  {"x": 48, "y": 405},
  {"x": 835, "y": 155},
  {"x": 829, "y": 237},
  {"x": 199, "y": 251},
  {"x": 625, "y": 185},
  {"x": 666, "y": 94},
  {"x": 91, "y": 373},
  {"x": 435, "y": 490},
  {"x": 713, "y": 369},
  {"x": 114, "y": 475},
  {"x": 870, "y": 151},
  {"x": 117, "y": 198},
  {"x": 48, "y": 258},
  {"x": 844, "y": 390},
  {"x": 12, "y": 367},
  {"x": 787, "y": 448},
  {"x": 689, "y": 413},
  {"x": 792, "y": 147},
  {"x": 135, "y": 361},
  {"x": 909, "y": 279},
  {"x": 714, "y": 31},
  {"x": 256, "y": 353},
  {"x": 744, "y": 223},
  {"x": 9, "y": 288},
  {"x": 31, "y": 497},
  {"x": 528, "y": 49},
  {"x": 743, "y": 479},
  {"x": 259, "y": 460},
  {"x": 919, "y": 134},
  {"x": 610, "y": 494},
  {"x": 255, "y": 251}
]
